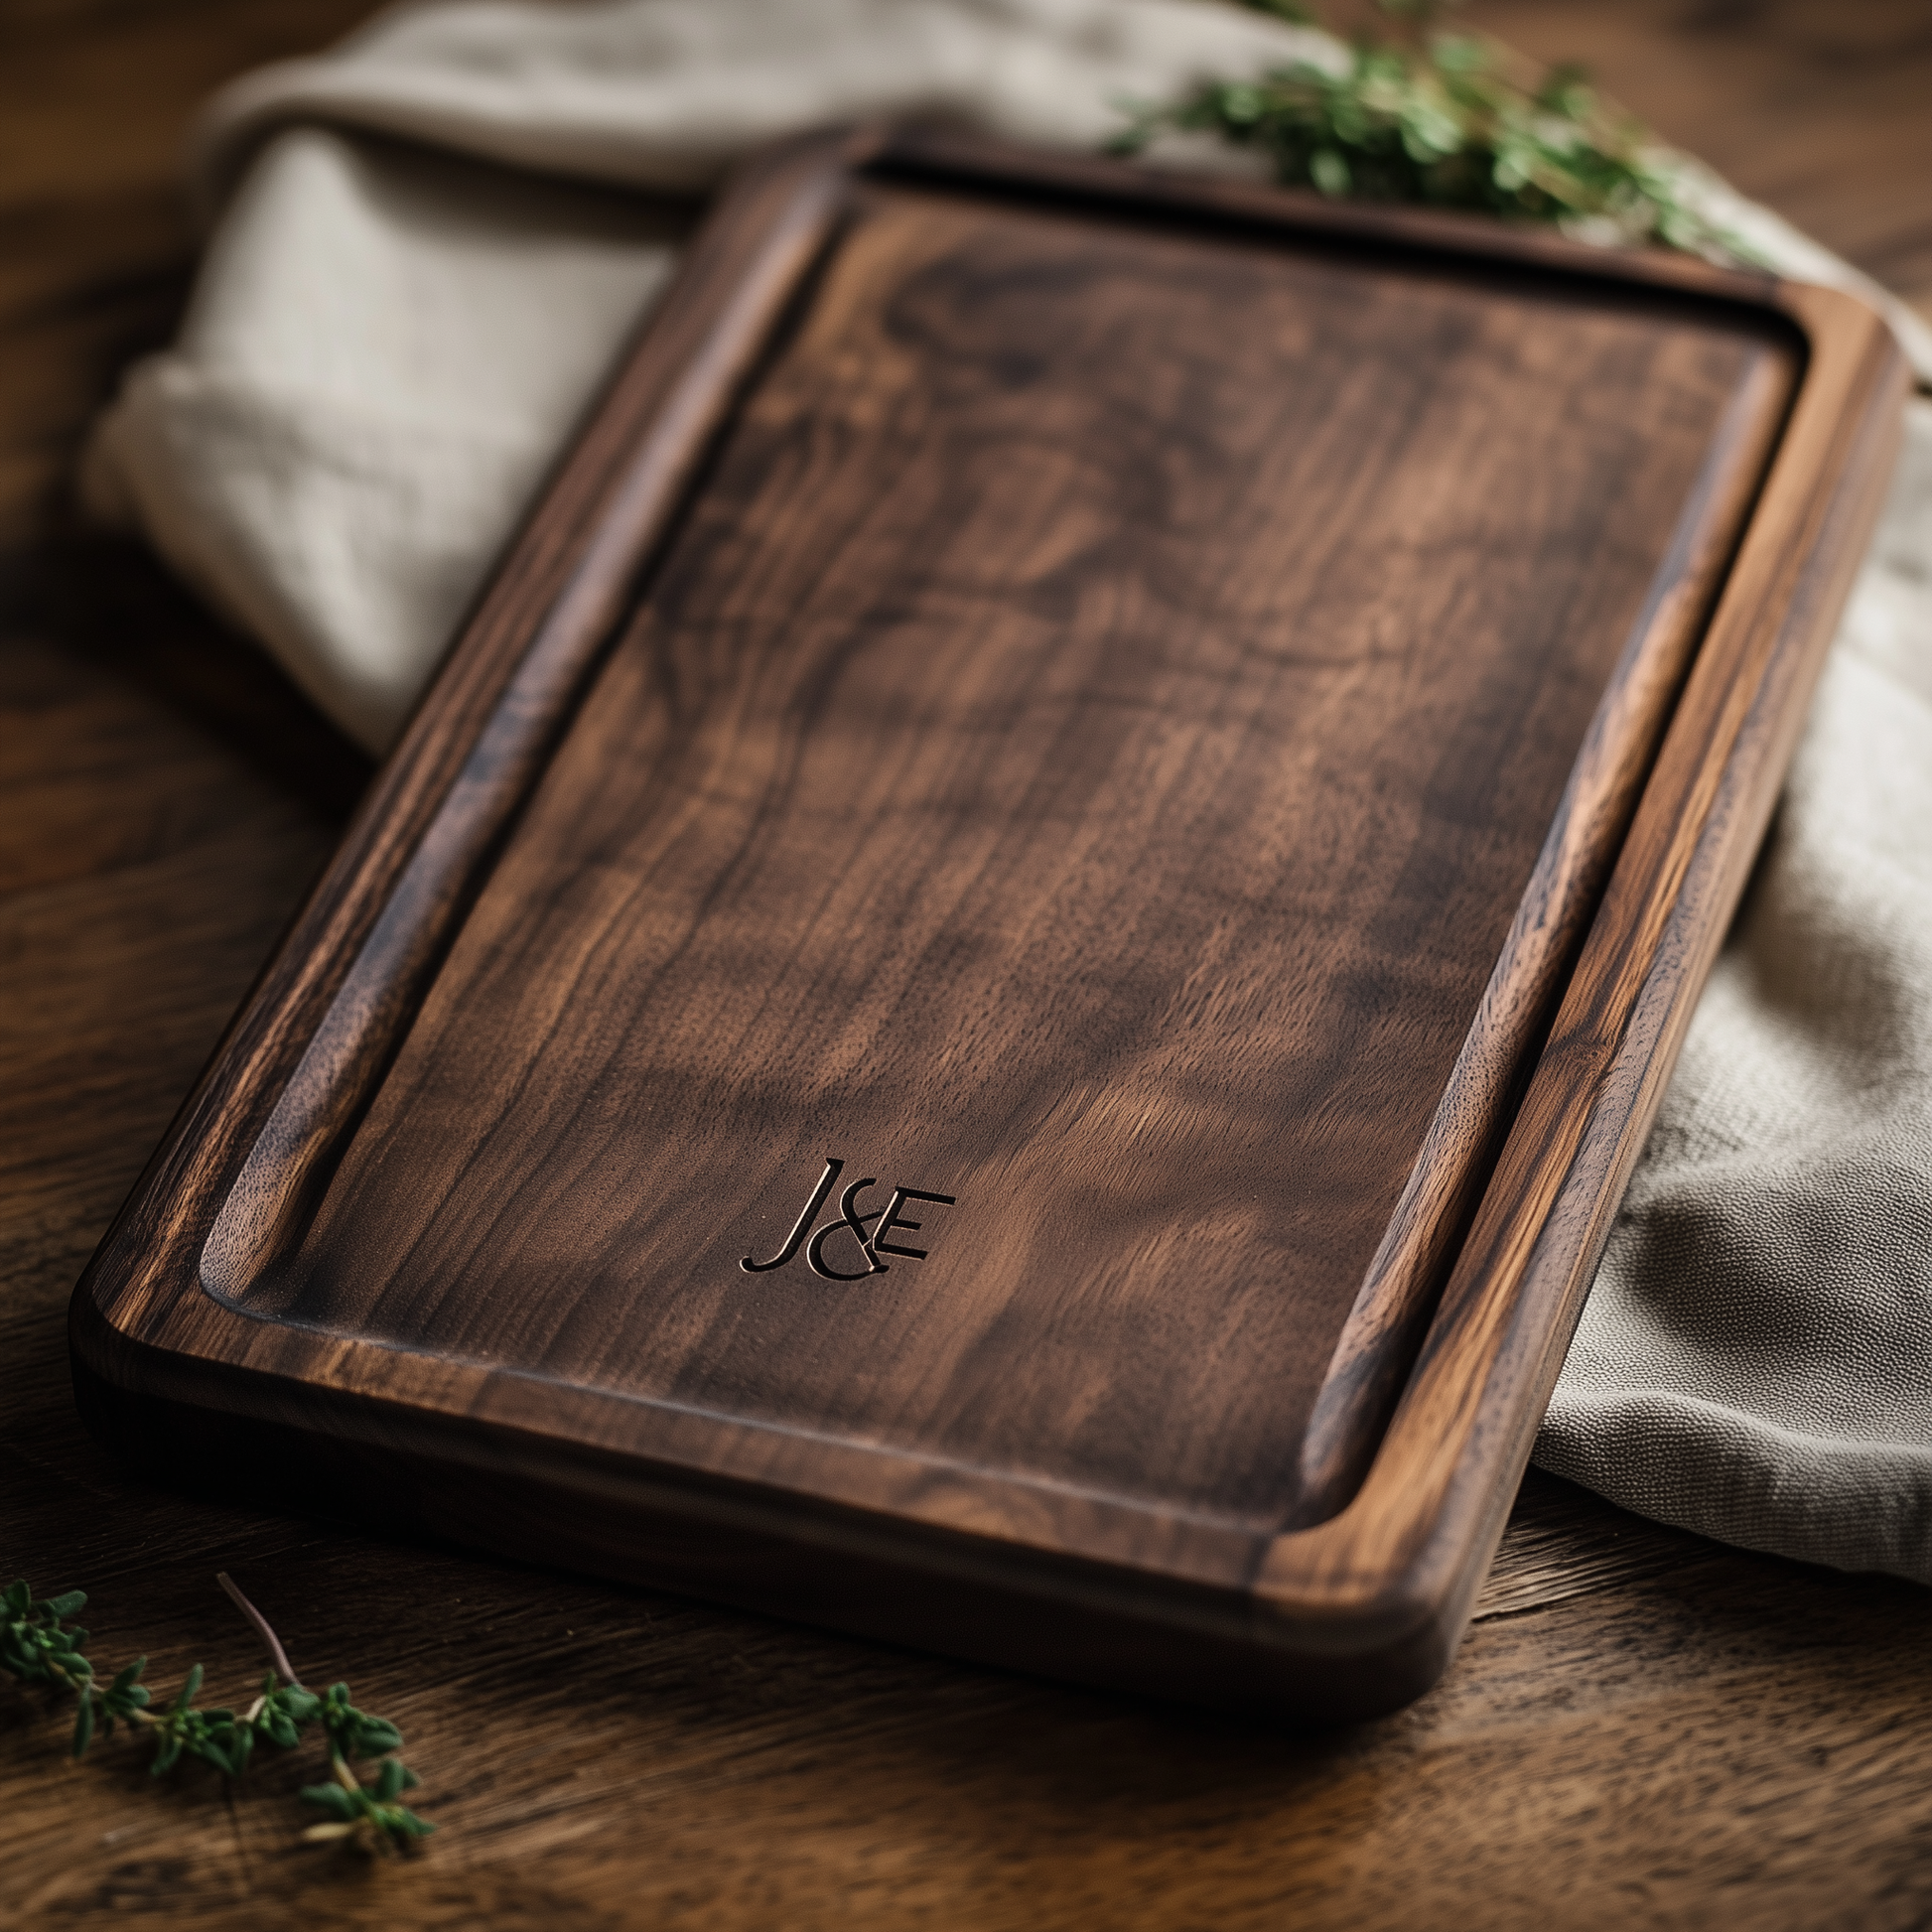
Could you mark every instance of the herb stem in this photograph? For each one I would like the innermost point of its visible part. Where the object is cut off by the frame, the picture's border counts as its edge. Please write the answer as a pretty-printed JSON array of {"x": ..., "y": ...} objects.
[{"x": 262, "y": 1627}]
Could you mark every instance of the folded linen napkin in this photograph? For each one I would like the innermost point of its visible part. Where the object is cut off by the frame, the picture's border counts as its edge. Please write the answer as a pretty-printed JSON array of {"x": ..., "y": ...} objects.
[{"x": 431, "y": 245}]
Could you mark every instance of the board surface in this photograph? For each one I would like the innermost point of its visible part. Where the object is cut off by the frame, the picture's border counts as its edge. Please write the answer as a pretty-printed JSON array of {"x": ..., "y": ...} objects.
[
  {"x": 952, "y": 1015},
  {"x": 1076, "y": 758}
]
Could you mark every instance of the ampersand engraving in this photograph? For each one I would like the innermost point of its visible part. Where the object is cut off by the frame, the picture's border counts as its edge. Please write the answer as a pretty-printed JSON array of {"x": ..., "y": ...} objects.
[{"x": 871, "y": 1243}]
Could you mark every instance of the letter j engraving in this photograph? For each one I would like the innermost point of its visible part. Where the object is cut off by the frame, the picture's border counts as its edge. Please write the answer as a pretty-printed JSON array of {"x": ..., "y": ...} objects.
[{"x": 802, "y": 1226}]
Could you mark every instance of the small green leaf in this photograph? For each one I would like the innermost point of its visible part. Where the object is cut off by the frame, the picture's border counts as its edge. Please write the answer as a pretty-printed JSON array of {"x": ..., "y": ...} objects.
[
  {"x": 1330, "y": 172},
  {"x": 332, "y": 1798}
]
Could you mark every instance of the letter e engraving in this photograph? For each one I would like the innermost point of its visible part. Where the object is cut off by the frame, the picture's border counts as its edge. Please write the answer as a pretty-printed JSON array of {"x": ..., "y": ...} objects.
[{"x": 901, "y": 1196}]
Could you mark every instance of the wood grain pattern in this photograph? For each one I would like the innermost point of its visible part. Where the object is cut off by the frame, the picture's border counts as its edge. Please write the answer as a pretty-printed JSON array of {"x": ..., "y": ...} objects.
[
  {"x": 1118, "y": 777},
  {"x": 1640, "y": 1725},
  {"x": 1075, "y": 817}
]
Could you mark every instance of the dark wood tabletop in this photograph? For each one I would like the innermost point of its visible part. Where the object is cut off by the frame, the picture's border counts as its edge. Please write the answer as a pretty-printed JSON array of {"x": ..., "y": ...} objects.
[{"x": 1642, "y": 1727}]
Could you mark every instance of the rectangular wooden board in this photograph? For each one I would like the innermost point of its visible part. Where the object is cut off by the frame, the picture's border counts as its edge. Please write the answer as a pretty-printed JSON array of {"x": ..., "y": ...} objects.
[{"x": 1003, "y": 991}]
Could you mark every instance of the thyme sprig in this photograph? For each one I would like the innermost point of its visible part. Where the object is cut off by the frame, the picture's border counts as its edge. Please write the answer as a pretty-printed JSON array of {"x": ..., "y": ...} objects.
[
  {"x": 40, "y": 1645},
  {"x": 355, "y": 1811},
  {"x": 1455, "y": 120},
  {"x": 37, "y": 1647}
]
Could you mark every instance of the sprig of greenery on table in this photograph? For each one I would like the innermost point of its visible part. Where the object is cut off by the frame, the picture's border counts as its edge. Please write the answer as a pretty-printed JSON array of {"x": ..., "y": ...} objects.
[
  {"x": 39, "y": 1644},
  {"x": 1455, "y": 120}
]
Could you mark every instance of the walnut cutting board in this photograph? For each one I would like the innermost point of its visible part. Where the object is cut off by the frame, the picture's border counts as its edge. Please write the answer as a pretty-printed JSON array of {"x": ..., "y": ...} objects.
[{"x": 1004, "y": 990}]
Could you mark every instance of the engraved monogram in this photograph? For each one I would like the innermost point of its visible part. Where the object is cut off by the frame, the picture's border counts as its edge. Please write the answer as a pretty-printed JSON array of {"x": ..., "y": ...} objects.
[{"x": 849, "y": 1220}]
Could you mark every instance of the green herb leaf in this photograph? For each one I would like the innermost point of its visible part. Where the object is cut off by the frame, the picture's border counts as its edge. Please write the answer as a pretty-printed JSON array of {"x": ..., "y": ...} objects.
[{"x": 1451, "y": 120}]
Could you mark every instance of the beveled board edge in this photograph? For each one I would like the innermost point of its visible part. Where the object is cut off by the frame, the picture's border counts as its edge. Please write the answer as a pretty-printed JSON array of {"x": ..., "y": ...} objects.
[
  {"x": 1383, "y": 1584},
  {"x": 1378, "y": 1343},
  {"x": 1435, "y": 1499}
]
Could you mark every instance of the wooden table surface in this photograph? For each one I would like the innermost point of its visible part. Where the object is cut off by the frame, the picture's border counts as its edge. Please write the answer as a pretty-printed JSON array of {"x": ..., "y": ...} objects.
[{"x": 1642, "y": 1727}]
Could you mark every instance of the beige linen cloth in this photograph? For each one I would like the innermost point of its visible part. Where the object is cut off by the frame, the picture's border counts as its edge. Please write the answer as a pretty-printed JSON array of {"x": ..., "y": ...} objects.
[{"x": 430, "y": 243}]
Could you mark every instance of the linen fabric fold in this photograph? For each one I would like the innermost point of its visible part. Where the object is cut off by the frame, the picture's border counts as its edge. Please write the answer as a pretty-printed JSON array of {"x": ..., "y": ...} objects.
[
  {"x": 422, "y": 268},
  {"x": 430, "y": 244}
]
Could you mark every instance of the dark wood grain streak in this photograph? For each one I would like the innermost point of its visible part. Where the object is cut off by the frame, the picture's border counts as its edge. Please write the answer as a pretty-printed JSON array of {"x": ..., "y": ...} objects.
[{"x": 1001, "y": 648}]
